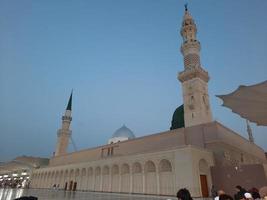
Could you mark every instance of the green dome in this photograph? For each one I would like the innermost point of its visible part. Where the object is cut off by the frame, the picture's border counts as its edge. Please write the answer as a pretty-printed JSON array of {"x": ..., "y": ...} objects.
[{"x": 178, "y": 118}]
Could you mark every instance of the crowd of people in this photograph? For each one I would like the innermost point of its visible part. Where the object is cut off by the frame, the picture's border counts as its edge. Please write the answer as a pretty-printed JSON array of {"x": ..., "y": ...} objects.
[{"x": 241, "y": 194}]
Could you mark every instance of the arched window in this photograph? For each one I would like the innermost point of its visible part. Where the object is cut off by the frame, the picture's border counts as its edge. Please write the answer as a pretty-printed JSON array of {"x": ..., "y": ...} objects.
[
  {"x": 125, "y": 169},
  {"x": 150, "y": 167},
  {"x": 137, "y": 168},
  {"x": 115, "y": 169},
  {"x": 165, "y": 166}
]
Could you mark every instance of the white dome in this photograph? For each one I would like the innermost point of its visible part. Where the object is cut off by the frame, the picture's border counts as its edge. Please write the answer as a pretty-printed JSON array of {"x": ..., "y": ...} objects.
[
  {"x": 124, "y": 132},
  {"x": 121, "y": 134}
]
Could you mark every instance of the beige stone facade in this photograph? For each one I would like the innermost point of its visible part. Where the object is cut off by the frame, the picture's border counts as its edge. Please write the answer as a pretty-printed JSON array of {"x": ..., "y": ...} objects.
[
  {"x": 155, "y": 164},
  {"x": 159, "y": 173}
]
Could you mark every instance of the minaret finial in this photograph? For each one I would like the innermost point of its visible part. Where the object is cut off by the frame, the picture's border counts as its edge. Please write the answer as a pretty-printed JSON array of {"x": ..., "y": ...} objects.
[
  {"x": 70, "y": 101},
  {"x": 185, "y": 7}
]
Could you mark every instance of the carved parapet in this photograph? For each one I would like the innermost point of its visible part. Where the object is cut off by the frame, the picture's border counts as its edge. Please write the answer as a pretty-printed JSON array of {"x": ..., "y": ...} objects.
[
  {"x": 196, "y": 72},
  {"x": 190, "y": 45},
  {"x": 66, "y": 118}
]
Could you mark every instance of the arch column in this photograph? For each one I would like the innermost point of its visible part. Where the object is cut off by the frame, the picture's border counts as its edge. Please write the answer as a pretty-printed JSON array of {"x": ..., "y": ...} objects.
[
  {"x": 131, "y": 182},
  {"x": 110, "y": 181},
  {"x": 101, "y": 181},
  {"x": 120, "y": 182},
  {"x": 93, "y": 181},
  {"x": 144, "y": 182},
  {"x": 157, "y": 176}
]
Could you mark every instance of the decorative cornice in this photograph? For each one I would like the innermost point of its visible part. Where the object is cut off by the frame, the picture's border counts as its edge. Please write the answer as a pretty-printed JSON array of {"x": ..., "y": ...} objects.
[
  {"x": 66, "y": 118},
  {"x": 190, "y": 44},
  {"x": 196, "y": 72}
]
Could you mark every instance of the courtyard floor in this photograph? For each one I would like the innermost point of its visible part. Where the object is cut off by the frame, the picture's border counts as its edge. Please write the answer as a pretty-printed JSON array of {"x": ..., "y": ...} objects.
[{"x": 43, "y": 194}]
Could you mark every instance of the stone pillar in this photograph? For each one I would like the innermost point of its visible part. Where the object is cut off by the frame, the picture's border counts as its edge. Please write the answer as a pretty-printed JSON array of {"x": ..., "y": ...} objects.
[
  {"x": 157, "y": 176},
  {"x": 101, "y": 181},
  {"x": 119, "y": 182},
  {"x": 131, "y": 183},
  {"x": 110, "y": 181},
  {"x": 144, "y": 182}
]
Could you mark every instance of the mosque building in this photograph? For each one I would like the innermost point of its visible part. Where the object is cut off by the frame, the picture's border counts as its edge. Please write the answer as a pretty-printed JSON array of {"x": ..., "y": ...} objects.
[{"x": 196, "y": 153}]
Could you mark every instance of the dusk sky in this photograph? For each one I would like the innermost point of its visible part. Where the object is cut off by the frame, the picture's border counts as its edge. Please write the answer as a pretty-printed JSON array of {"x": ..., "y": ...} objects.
[{"x": 121, "y": 58}]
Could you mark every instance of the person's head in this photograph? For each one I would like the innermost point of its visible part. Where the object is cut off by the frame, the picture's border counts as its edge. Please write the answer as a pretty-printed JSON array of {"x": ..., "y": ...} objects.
[
  {"x": 253, "y": 190},
  {"x": 255, "y": 194},
  {"x": 238, "y": 188},
  {"x": 248, "y": 196},
  {"x": 263, "y": 192},
  {"x": 184, "y": 194},
  {"x": 220, "y": 192},
  {"x": 225, "y": 197}
]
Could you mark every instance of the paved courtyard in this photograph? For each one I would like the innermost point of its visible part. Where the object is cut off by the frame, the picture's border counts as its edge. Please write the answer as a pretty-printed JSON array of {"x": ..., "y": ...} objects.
[{"x": 43, "y": 194}]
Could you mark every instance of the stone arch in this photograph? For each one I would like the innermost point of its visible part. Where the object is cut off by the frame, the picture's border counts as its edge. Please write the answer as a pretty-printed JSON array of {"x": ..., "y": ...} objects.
[
  {"x": 56, "y": 179},
  {"x": 43, "y": 184},
  {"x": 137, "y": 168},
  {"x": 137, "y": 178},
  {"x": 105, "y": 179},
  {"x": 166, "y": 181},
  {"x": 77, "y": 172},
  {"x": 125, "y": 178},
  {"x": 165, "y": 166},
  {"x": 71, "y": 174},
  {"x": 61, "y": 179},
  {"x": 105, "y": 170},
  {"x": 37, "y": 179},
  {"x": 71, "y": 179},
  {"x": 204, "y": 177},
  {"x": 83, "y": 179},
  {"x": 115, "y": 178},
  {"x": 76, "y": 184},
  {"x": 115, "y": 169},
  {"x": 52, "y": 181},
  {"x": 33, "y": 180},
  {"x": 90, "y": 178},
  {"x": 150, "y": 178},
  {"x": 125, "y": 169},
  {"x": 98, "y": 179},
  {"x": 150, "y": 166},
  {"x": 48, "y": 180},
  {"x": 40, "y": 180},
  {"x": 65, "y": 179}
]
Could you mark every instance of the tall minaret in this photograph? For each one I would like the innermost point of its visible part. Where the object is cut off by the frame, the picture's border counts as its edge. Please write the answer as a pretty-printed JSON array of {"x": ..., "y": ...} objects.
[
  {"x": 194, "y": 78},
  {"x": 250, "y": 136},
  {"x": 64, "y": 133}
]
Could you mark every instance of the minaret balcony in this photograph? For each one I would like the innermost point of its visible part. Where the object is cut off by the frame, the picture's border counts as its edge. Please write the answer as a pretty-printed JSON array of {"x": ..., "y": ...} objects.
[
  {"x": 194, "y": 72},
  {"x": 66, "y": 118},
  {"x": 190, "y": 44}
]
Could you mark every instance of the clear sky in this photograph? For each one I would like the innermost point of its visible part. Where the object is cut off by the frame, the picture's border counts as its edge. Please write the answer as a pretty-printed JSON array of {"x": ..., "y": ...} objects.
[{"x": 121, "y": 57}]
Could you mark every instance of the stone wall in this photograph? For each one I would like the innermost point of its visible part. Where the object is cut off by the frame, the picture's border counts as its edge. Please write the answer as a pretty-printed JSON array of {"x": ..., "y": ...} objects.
[
  {"x": 159, "y": 173},
  {"x": 248, "y": 176}
]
